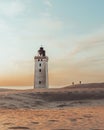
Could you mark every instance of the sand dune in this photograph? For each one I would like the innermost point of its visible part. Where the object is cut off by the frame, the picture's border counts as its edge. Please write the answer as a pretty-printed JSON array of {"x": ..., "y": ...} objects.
[
  {"x": 51, "y": 98},
  {"x": 70, "y": 108},
  {"x": 88, "y": 85}
]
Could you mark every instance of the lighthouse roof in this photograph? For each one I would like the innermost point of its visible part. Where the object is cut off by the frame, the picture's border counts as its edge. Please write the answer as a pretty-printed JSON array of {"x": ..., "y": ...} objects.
[{"x": 41, "y": 51}]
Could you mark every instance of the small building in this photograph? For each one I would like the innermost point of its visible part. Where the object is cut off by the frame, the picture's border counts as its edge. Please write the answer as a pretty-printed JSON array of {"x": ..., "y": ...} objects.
[{"x": 41, "y": 69}]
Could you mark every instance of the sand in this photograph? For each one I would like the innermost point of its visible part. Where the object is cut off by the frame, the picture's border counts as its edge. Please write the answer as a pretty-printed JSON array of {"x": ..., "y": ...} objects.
[
  {"x": 75, "y": 108},
  {"x": 87, "y": 118}
]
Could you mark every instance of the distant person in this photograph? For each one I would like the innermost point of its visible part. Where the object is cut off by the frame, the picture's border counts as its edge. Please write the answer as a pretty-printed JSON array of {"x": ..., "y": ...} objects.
[
  {"x": 80, "y": 82},
  {"x": 72, "y": 83}
]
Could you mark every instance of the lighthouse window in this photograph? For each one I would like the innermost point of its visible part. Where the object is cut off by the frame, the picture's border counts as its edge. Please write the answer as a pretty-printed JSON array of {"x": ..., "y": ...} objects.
[
  {"x": 39, "y": 82},
  {"x": 39, "y": 70}
]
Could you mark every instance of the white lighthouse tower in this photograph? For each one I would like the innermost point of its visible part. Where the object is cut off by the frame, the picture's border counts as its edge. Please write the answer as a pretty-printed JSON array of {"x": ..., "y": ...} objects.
[{"x": 41, "y": 69}]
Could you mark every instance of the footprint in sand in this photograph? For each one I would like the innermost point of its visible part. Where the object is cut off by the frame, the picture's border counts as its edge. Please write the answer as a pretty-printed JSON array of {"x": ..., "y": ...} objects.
[
  {"x": 19, "y": 128},
  {"x": 62, "y": 129},
  {"x": 73, "y": 120},
  {"x": 35, "y": 123},
  {"x": 88, "y": 116},
  {"x": 7, "y": 124},
  {"x": 53, "y": 120}
]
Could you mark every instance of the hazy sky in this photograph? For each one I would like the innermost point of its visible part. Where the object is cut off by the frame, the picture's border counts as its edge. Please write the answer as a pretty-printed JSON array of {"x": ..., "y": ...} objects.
[{"x": 71, "y": 31}]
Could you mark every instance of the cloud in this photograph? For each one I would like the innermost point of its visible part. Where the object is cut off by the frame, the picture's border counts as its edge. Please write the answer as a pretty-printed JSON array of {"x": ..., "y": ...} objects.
[
  {"x": 3, "y": 26},
  {"x": 11, "y": 8},
  {"x": 42, "y": 27},
  {"x": 88, "y": 53},
  {"x": 89, "y": 42},
  {"x": 46, "y": 14},
  {"x": 48, "y": 3}
]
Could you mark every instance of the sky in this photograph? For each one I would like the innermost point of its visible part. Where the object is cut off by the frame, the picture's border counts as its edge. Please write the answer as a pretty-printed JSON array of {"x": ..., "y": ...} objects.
[{"x": 71, "y": 32}]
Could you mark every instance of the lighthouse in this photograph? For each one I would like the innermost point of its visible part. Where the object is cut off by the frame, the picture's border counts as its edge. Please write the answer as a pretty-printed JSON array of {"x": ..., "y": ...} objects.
[{"x": 41, "y": 69}]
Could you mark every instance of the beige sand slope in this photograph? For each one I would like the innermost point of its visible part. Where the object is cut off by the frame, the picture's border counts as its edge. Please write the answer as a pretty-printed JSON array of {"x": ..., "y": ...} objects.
[
  {"x": 79, "y": 107},
  {"x": 53, "y": 98}
]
